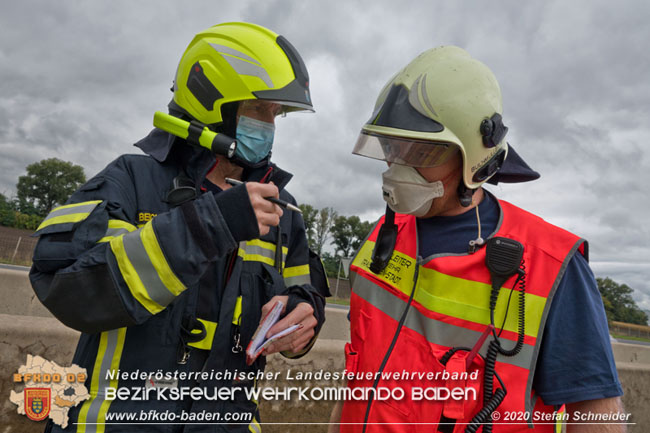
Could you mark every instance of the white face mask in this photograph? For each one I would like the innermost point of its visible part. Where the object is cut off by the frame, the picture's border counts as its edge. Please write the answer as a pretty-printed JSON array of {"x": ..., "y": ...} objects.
[{"x": 407, "y": 192}]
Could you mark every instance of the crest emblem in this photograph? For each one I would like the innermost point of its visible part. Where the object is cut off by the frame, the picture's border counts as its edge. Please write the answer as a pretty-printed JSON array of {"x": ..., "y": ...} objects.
[{"x": 37, "y": 403}]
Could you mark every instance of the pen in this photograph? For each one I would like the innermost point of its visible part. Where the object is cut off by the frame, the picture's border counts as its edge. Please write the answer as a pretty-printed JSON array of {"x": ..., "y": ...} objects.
[{"x": 279, "y": 202}]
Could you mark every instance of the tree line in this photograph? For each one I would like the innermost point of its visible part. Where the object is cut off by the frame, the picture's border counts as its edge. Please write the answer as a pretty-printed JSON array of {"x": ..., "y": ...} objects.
[
  {"x": 47, "y": 184},
  {"x": 50, "y": 182},
  {"x": 619, "y": 304},
  {"x": 326, "y": 227}
]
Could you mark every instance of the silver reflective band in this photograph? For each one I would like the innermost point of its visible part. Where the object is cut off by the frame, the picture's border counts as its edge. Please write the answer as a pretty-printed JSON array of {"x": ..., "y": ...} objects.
[
  {"x": 298, "y": 280},
  {"x": 78, "y": 208},
  {"x": 246, "y": 68},
  {"x": 233, "y": 52},
  {"x": 404, "y": 151},
  {"x": 112, "y": 341},
  {"x": 114, "y": 232},
  {"x": 249, "y": 249},
  {"x": 139, "y": 258},
  {"x": 435, "y": 331}
]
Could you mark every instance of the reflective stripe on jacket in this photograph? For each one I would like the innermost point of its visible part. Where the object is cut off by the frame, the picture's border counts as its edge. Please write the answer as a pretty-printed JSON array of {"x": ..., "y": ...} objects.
[
  {"x": 450, "y": 308},
  {"x": 149, "y": 283}
]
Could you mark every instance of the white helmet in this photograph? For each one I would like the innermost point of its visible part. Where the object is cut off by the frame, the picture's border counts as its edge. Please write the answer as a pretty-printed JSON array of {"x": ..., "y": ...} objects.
[{"x": 443, "y": 102}]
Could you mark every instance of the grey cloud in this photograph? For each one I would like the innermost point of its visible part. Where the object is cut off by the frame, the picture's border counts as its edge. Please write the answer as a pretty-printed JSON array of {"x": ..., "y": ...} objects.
[{"x": 80, "y": 81}]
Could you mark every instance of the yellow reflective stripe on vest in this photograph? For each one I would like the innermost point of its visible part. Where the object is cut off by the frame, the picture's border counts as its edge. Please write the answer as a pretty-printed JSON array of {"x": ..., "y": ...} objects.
[
  {"x": 449, "y": 295},
  {"x": 456, "y": 297},
  {"x": 434, "y": 331},
  {"x": 260, "y": 251},
  {"x": 560, "y": 418},
  {"x": 70, "y": 213},
  {"x": 399, "y": 272},
  {"x": 205, "y": 343},
  {"x": 145, "y": 269},
  {"x": 116, "y": 228},
  {"x": 296, "y": 275},
  {"x": 93, "y": 412}
]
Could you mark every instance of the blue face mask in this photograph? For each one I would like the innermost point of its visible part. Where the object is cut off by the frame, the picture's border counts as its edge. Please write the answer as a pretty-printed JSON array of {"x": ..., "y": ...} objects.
[{"x": 254, "y": 139}]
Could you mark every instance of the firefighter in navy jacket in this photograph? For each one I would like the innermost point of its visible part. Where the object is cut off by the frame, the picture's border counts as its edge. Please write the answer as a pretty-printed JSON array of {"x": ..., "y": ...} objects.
[{"x": 165, "y": 268}]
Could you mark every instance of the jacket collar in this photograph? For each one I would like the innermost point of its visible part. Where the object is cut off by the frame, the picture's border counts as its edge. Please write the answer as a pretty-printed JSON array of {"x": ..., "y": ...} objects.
[
  {"x": 270, "y": 173},
  {"x": 197, "y": 161}
]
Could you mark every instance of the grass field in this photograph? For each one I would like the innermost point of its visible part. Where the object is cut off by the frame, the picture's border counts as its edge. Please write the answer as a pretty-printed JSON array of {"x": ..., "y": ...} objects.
[
  {"x": 338, "y": 301},
  {"x": 627, "y": 337}
]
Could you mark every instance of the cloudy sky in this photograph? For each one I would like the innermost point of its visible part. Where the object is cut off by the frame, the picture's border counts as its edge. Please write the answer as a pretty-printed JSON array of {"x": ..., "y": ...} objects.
[{"x": 81, "y": 80}]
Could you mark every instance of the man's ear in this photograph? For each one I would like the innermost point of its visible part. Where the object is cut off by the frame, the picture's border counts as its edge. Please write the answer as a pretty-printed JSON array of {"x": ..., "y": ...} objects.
[{"x": 229, "y": 116}]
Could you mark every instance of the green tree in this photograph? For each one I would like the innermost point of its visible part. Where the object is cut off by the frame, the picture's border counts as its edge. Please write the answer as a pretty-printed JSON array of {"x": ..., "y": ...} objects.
[
  {"x": 348, "y": 233},
  {"x": 331, "y": 264},
  {"x": 361, "y": 230},
  {"x": 25, "y": 206},
  {"x": 7, "y": 212},
  {"x": 342, "y": 234},
  {"x": 618, "y": 302},
  {"x": 27, "y": 222},
  {"x": 309, "y": 215},
  {"x": 48, "y": 183},
  {"x": 322, "y": 225}
]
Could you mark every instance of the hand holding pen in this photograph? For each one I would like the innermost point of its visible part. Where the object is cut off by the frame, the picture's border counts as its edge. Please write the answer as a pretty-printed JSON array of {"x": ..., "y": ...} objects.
[
  {"x": 266, "y": 214},
  {"x": 283, "y": 204}
]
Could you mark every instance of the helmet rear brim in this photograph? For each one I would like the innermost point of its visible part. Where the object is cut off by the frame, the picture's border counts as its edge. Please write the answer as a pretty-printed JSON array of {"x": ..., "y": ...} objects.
[{"x": 514, "y": 170}]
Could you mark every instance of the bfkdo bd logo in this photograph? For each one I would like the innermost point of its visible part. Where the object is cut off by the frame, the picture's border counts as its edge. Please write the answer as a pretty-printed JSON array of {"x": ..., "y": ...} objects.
[{"x": 37, "y": 403}]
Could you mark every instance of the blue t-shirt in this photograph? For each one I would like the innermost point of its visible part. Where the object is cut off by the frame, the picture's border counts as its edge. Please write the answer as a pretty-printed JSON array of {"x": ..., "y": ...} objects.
[{"x": 575, "y": 362}]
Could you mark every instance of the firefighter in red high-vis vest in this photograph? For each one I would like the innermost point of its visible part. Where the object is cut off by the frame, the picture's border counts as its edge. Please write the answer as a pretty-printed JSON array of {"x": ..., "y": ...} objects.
[{"x": 467, "y": 313}]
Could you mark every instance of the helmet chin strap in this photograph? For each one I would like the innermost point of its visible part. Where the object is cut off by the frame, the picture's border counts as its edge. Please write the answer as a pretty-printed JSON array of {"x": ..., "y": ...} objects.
[{"x": 465, "y": 194}]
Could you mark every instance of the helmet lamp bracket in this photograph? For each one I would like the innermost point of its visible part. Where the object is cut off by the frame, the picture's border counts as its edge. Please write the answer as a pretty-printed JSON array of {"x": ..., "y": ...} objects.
[
  {"x": 201, "y": 87},
  {"x": 493, "y": 130}
]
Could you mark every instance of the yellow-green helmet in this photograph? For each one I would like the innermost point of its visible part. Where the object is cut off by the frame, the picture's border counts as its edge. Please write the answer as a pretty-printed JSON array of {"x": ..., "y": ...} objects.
[
  {"x": 442, "y": 101},
  {"x": 235, "y": 62}
]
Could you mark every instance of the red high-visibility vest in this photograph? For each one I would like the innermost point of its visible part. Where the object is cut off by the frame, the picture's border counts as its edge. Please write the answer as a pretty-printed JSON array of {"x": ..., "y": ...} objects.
[{"x": 450, "y": 308}]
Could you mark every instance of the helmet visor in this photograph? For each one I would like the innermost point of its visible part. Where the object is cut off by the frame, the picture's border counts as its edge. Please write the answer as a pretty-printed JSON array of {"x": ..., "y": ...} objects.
[{"x": 404, "y": 151}]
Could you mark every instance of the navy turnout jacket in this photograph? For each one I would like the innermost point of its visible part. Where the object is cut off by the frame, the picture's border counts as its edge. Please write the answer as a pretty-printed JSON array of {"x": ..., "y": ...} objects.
[{"x": 162, "y": 277}]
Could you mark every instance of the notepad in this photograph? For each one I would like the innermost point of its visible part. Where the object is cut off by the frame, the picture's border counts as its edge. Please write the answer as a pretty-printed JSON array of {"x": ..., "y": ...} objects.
[{"x": 259, "y": 342}]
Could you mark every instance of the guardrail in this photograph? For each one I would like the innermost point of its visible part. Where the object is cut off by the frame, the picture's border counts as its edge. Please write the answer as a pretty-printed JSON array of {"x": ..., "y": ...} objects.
[
  {"x": 16, "y": 249},
  {"x": 28, "y": 328},
  {"x": 630, "y": 329}
]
